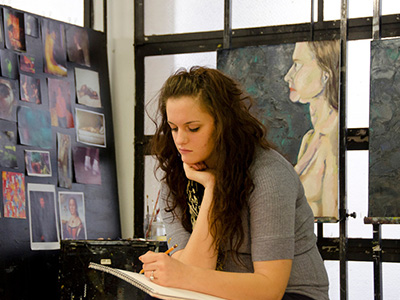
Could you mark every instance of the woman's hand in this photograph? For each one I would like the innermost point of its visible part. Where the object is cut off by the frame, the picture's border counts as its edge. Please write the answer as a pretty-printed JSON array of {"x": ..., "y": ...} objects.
[
  {"x": 200, "y": 173},
  {"x": 164, "y": 269}
]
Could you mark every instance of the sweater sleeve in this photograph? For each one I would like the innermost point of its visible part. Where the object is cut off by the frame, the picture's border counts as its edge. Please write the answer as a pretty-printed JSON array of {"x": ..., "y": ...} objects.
[
  {"x": 173, "y": 227},
  {"x": 272, "y": 208}
]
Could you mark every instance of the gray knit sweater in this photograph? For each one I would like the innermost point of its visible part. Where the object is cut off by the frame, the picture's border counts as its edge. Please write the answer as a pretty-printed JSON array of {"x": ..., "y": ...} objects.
[{"x": 278, "y": 224}]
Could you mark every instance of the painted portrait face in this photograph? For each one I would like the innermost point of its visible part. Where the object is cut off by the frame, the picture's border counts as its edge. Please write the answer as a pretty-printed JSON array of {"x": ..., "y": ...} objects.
[
  {"x": 72, "y": 206},
  {"x": 192, "y": 129},
  {"x": 305, "y": 78}
]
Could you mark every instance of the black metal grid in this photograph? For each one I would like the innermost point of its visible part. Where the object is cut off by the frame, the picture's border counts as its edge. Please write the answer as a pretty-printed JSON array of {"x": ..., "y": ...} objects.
[{"x": 343, "y": 249}]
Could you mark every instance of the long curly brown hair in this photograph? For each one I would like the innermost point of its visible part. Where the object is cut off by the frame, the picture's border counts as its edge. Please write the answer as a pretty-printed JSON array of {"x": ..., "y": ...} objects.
[{"x": 237, "y": 134}]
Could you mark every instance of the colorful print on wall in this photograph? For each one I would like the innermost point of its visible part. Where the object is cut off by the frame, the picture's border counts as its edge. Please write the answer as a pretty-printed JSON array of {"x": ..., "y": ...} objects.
[
  {"x": 9, "y": 64},
  {"x": 78, "y": 45},
  {"x": 30, "y": 89},
  {"x": 31, "y": 25},
  {"x": 8, "y": 99},
  {"x": 14, "y": 202},
  {"x": 27, "y": 64},
  {"x": 87, "y": 165},
  {"x": 384, "y": 142},
  {"x": 87, "y": 87},
  {"x": 60, "y": 103},
  {"x": 55, "y": 55},
  {"x": 34, "y": 127},
  {"x": 38, "y": 163},
  {"x": 8, "y": 149},
  {"x": 72, "y": 215},
  {"x": 64, "y": 160},
  {"x": 90, "y": 128},
  {"x": 43, "y": 220},
  {"x": 290, "y": 88},
  {"x": 14, "y": 28}
]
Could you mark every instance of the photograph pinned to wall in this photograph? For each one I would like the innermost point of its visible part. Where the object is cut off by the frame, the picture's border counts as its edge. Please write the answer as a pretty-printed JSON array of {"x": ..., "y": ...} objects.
[
  {"x": 87, "y": 87},
  {"x": 8, "y": 99},
  {"x": 9, "y": 64},
  {"x": 78, "y": 45},
  {"x": 60, "y": 103},
  {"x": 27, "y": 64},
  {"x": 14, "y": 201},
  {"x": 55, "y": 55},
  {"x": 290, "y": 83},
  {"x": 90, "y": 128},
  {"x": 384, "y": 142},
  {"x": 14, "y": 29},
  {"x": 43, "y": 221},
  {"x": 31, "y": 25},
  {"x": 72, "y": 215},
  {"x": 87, "y": 165},
  {"x": 34, "y": 127},
  {"x": 38, "y": 163},
  {"x": 8, "y": 148},
  {"x": 30, "y": 89},
  {"x": 64, "y": 160}
]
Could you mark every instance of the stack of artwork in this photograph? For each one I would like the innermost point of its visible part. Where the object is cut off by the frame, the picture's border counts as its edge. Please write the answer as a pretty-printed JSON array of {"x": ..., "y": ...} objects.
[{"x": 51, "y": 111}]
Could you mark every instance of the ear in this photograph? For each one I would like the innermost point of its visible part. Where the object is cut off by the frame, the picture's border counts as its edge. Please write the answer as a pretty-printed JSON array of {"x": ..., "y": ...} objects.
[{"x": 325, "y": 76}]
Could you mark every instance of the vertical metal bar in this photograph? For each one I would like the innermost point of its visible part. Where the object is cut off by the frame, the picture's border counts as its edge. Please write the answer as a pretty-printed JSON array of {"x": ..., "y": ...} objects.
[
  {"x": 138, "y": 181},
  {"x": 320, "y": 11},
  {"x": 88, "y": 13},
  {"x": 377, "y": 258},
  {"x": 105, "y": 18},
  {"x": 312, "y": 21},
  {"x": 227, "y": 38},
  {"x": 342, "y": 154},
  {"x": 376, "y": 35}
]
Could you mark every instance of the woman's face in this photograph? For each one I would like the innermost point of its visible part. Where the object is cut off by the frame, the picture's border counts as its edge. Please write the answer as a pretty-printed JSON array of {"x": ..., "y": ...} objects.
[
  {"x": 192, "y": 129},
  {"x": 305, "y": 78},
  {"x": 72, "y": 207}
]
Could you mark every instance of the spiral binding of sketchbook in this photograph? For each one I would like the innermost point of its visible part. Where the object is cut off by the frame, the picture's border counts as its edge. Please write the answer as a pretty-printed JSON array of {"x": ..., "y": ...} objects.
[{"x": 151, "y": 288}]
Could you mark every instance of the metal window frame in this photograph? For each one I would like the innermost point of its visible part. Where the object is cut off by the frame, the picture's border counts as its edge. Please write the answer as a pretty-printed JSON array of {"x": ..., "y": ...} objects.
[{"x": 342, "y": 249}]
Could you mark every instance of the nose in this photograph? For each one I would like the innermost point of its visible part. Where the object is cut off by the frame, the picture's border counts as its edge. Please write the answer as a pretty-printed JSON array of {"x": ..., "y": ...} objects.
[
  {"x": 289, "y": 73},
  {"x": 181, "y": 137}
]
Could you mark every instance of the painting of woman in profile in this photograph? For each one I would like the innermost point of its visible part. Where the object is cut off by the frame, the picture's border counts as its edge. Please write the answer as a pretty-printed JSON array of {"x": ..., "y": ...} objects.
[{"x": 295, "y": 87}]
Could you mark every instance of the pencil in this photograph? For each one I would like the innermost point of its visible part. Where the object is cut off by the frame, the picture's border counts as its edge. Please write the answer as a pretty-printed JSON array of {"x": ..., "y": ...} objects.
[{"x": 166, "y": 252}]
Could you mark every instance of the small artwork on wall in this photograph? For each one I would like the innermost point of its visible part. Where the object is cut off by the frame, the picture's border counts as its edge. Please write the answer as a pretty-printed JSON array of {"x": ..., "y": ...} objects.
[
  {"x": 8, "y": 99},
  {"x": 34, "y": 127},
  {"x": 30, "y": 89},
  {"x": 90, "y": 128},
  {"x": 64, "y": 160},
  {"x": 43, "y": 221},
  {"x": 60, "y": 103},
  {"x": 8, "y": 147},
  {"x": 14, "y": 202},
  {"x": 72, "y": 215},
  {"x": 87, "y": 165},
  {"x": 27, "y": 64},
  {"x": 9, "y": 64},
  {"x": 14, "y": 28},
  {"x": 87, "y": 87},
  {"x": 38, "y": 163},
  {"x": 78, "y": 45},
  {"x": 31, "y": 25},
  {"x": 55, "y": 56}
]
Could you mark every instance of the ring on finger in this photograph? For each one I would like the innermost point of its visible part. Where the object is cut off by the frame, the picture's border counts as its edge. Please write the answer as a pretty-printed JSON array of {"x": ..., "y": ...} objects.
[{"x": 152, "y": 275}]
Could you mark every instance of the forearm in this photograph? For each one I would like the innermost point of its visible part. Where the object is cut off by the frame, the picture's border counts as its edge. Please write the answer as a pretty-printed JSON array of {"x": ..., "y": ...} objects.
[
  {"x": 228, "y": 285},
  {"x": 199, "y": 250}
]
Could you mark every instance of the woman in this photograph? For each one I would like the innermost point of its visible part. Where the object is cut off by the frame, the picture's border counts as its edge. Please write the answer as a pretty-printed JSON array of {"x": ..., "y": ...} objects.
[
  {"x": 313, "y": 79},
  {"x": 234, "y": 206},
  {"x": 73, "y": 229}
]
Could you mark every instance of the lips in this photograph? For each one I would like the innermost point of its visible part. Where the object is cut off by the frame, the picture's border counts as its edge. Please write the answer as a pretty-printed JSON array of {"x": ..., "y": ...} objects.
[{"x": 185, "y": 151}]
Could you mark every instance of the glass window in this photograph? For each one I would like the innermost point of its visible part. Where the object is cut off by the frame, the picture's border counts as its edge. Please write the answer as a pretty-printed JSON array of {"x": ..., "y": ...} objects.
[
  {"x": 69, "y": 11},
  {"x": 355, "y": 9},
  {"x": 261, "y": 13},
  {"x": 159, "y": 68},
  {"x": 333, "y": 270},
  {"x": 360, "y": 280},
  {"x": 390, "y": 7},
  {"x": 182, "y": 16},
  {"x": 390, "y": 280}
]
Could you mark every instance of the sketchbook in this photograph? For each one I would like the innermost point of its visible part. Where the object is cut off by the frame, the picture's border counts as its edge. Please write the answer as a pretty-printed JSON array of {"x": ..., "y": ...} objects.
[{"x": 151, "y": 288}]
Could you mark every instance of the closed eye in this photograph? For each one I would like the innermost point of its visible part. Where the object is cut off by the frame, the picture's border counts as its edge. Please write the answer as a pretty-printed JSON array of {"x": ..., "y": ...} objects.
[{"x": 194, "y": 129}]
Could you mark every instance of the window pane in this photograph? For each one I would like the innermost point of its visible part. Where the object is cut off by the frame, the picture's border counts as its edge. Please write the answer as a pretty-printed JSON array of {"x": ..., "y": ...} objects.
[
  {"x": 358, "y": 83},
  {"x": 357, "y": 194},
  {"x": 159, "y": 68},
  {"x": 69, "y": 11},
  {"x": 360, "y": 280},
  {"x": 180, "y": 16},
  {"x": 261, "y": 13},
  {"x": 390, "y": 7},
  {"x": 332, "y": 268},
  {"x": 355, "y": 9},
  {"x": 390, "y": 280}
]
